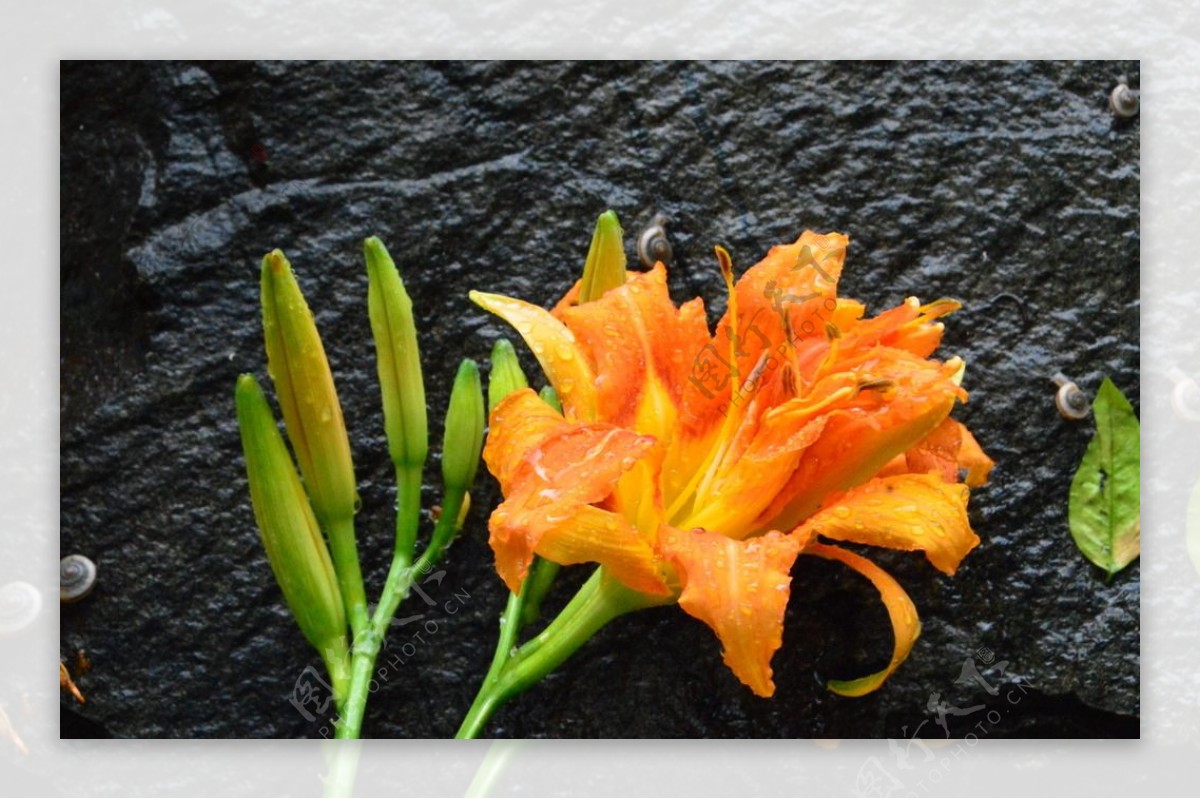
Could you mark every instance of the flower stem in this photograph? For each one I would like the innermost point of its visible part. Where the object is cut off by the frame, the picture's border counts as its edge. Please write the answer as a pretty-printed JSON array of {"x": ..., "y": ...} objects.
[
  {"x": 350, "y": 581},
  {"x": 395, "y": 590},
  {"x": 408, "y": 509},
  {"x": 599, "y": 601}
]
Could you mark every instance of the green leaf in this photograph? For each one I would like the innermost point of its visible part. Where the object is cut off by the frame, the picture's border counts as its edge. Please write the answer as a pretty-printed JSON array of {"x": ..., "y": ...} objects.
[{"x": 1105, "y": 501}]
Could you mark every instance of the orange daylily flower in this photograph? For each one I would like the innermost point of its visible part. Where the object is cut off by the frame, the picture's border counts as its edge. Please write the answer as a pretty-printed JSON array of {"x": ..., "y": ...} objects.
[{"x": 696, "y": 467}]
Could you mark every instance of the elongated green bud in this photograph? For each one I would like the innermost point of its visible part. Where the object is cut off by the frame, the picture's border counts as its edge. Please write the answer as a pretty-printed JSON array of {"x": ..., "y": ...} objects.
[
  {"x": 290, "y": 535},
  {"x": 463, "y": 441},
  {"x": 398, "y": 359},
  {"x": 311, "y": 411},
  {"x": 506, "y": 376},
  {"x": 605, "y": 266}
]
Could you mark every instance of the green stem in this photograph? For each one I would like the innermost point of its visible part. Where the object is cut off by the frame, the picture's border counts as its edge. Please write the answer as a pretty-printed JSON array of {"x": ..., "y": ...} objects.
[
  {"x": 599, "y": 601},
  {"x": 336, "y": 655},
  {"x": 408, "y": 508},
  {"x": 395, "y": 590},
  {"x": 350, "y": 581},
  {"x": 541, "y": 577}
]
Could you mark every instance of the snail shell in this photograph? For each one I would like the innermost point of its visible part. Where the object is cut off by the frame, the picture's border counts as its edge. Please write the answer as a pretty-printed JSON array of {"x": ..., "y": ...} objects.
[
  {"x": 76, "y": 578},
  {"x": 1071, "y": 402},
  {"x": 20, "y": 604},
  {"x": 653, "y": 245},
  {"x": 1122, "y": 101}
]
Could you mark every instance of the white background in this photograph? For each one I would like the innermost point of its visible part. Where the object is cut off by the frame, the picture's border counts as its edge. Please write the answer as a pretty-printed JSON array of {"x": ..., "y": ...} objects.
[{"x": 34, "y": 36}]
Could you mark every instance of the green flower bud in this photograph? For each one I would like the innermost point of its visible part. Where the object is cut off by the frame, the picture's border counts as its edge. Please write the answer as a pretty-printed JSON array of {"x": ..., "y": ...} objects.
[
  {"x": 550, "y": 397},
  {"x": 290, "y": 535},
  {"x": 605, "y": 266},
  {"x": 311, "y": 411},
  {"x": 463, "y": 441},
  {"x": 506, "y": 376},
  {"x": 398, "y": 359}
]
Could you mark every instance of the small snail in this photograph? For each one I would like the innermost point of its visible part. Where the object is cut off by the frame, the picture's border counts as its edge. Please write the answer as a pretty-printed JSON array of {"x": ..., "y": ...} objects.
[
  {"x": 1122, "y": 101},
  {"x": 20, "y": 604},
  {"x": 1071, "y": 402},
  {"x": 653, "y": 245},
  {"x": 76, "y": 578}
]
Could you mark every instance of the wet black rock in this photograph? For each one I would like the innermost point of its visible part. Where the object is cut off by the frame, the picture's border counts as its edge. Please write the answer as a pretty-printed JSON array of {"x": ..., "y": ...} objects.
[{"x": 1008, "y": 186}]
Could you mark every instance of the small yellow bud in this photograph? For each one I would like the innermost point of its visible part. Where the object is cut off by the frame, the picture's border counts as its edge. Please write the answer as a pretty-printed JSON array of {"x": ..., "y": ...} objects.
[
  {"x": 605, "y": 266},
  {"x": 311, "y": 411}
]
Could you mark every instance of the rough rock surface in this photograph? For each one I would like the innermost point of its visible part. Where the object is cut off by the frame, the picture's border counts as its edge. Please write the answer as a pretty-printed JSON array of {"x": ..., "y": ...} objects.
[{"x": 1008, "y": 186}]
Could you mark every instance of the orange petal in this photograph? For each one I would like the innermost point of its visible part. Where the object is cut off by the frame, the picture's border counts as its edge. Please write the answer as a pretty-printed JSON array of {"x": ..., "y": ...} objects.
[
  {"x": 555, "y": 348},
  {"x": 907, "y": 511},
  {"x": 591, "y": 535},
  {"x": 909, "y": 326},
  {"x": 638, "y": 344},
  {"x": 784, "y": 297},
  {"x": 972, "y": 458},
  {"x": 740, "y": 589},
  {"x": 571, "y": 466},
  {"x": 947, "y": 449},
  {"x": 516, "y": 426},
  {"x": 760, "y": 462},
  {"x": 937, "y": 452},
  {"x": 922, "y": 335},
  {"x": 790, "y": 293},
  {"x": 902, "y": 400},
  {"x": 905, "y": 625}
]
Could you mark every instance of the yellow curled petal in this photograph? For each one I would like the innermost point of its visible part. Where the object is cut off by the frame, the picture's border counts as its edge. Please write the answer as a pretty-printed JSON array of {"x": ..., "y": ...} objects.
[
  {"x": 906, "y": 511},
  {"x": 905, "y": 624},
  {"x": 740, "y": 589},
  {"x": 555, "y": 348}
]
